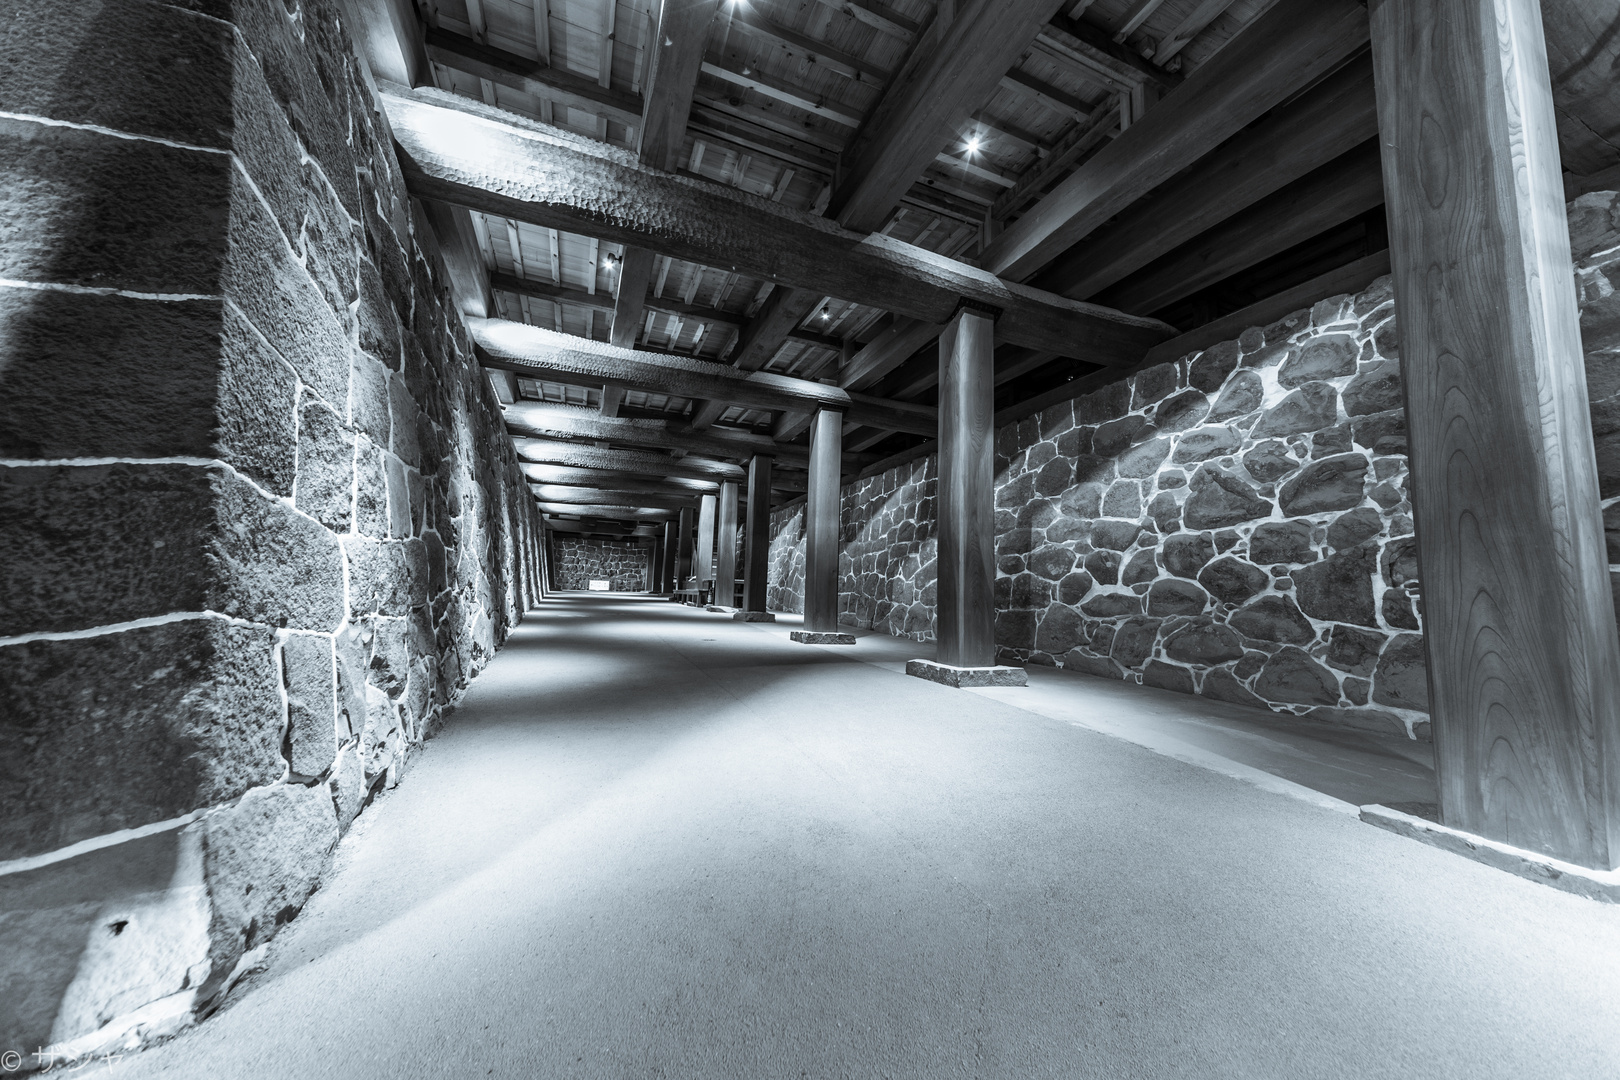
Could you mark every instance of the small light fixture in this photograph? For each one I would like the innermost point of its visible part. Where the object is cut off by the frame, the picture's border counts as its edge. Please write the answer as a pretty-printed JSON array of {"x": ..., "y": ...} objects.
[
  {"x": 609, "y": 261},
  {"x": 973, "y": 144}
]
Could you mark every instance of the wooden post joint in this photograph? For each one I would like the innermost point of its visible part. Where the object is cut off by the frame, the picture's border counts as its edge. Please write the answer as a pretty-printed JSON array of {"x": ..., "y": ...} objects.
[{"x": 978, "y": 307}]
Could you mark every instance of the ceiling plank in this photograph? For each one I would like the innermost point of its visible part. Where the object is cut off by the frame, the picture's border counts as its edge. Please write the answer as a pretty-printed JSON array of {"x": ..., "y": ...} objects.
[
  {"x": 554, "y": 84},
  {"x": 1187, "y": 29},
  {"x": 457, "y": 150},
  {"x": 1273, "y": 57},
  {"x": 1096, "y": 44},
  {"x": 538, "y": 353},
  {"x": 1338, "y": 114}
]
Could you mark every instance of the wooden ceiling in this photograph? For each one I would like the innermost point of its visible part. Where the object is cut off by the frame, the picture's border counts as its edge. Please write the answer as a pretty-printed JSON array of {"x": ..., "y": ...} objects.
[{"x": 1182, "y": 159}]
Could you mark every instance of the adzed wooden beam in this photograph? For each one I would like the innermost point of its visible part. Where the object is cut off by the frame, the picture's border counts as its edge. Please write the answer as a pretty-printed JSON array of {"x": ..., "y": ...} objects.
[
  {"x": 539, "y": 353},
  {"x": 1273, "y": 57},
  {"x": 617, "y": 480},
  {"x": 573, "y": 455},
  {"x": 460, "y": 151}
]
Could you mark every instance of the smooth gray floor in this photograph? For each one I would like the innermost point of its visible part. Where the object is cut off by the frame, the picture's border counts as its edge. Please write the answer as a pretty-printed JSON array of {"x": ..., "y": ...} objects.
[{"x": 657, "y": 843}]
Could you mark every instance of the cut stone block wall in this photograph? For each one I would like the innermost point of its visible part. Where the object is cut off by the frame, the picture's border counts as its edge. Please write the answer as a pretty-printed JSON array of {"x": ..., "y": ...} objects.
[
  {"x": 576, "y": 561},
  {"x": 1236, "y": 523},
  {"x": 259, "y": 520}
]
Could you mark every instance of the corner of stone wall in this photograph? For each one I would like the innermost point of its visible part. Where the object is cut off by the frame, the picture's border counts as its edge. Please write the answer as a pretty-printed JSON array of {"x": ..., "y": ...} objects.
[{"x": 259, "y": 520}]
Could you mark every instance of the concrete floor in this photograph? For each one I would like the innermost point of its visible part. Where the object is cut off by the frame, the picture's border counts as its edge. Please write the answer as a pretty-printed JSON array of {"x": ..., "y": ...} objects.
[{"x": 657, "y": 843}]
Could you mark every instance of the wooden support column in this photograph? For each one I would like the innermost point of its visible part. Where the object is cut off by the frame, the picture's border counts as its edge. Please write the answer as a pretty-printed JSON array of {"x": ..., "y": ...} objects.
[
  {"x": 967, "y": 491},
  {"x": 703, "y": 562},
  {"x": 1523, "y": 662},
  {"x": 821, "y": 525},
  {"x": 725, "y": 557},
  {"x": 756, "y": 570},
  {"x": 655, "y": 564},
  {"x": 666, "y": 571},
  {"x": 683, "y": 556}
]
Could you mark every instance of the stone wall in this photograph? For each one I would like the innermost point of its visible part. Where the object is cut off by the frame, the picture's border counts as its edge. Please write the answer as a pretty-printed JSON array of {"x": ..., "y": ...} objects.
[
  {"x": 1236, "y": 523},
  {"x": 259, "y": 520},
  {"x": 576, "y": 561}
]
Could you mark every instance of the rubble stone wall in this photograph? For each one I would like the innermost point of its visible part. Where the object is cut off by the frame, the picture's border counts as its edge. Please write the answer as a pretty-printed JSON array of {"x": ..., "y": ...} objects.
[
  {"x": 1236, "y": 523},
  {"x": 259, "y": 520},
  {"x": 576, "y": 561}
]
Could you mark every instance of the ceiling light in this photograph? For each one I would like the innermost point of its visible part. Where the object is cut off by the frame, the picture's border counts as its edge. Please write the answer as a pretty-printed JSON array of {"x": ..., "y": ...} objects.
[{"x": 973, "y": 145}]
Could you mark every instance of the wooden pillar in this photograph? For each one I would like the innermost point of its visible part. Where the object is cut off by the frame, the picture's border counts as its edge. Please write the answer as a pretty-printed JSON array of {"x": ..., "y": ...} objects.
[
  {"x": 703, "y": 562},
  {"x": 725, "y": 556},
  {"x": 1523, "y": 663},
  {"x": 821, "y": 523},
  {"x": 655, "y": 564},
  {"x": 757, "y": 554},
  {"x": 967, "y": 517},
  {"x": 683, "y": 556},
  {"x": 666, "y": 576}
]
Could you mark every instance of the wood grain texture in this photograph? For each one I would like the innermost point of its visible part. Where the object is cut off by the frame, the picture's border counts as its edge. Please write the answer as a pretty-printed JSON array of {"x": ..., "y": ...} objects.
[
  {"x": 555, "y": 84},
  {"x": 539, "y": 353},
  {"x": 1275, "y": 55},
  {"x": 552, "y": 453},
  {"x": 635, "y": 272},
  {"x": 821, "y": 523},
  {"x": 572, "y": 422},
  {"x": 703, "y": 557},
  {"x": 893, "y": 347},
  {"x": 1331, "y": 195},
  {"x": 967, "y": 492},
  {"x": 460, "y": 151},
  {"x": 1524, "y": 666},
  {"x": 953, "y": 71},
  {"x": 725, "y": 546},
  {"x": 675, "y": 52},
  {"x": 685, "y": 529},
  {"x": 757, "y": 541},
  {"x": 1330, "y": 119}
]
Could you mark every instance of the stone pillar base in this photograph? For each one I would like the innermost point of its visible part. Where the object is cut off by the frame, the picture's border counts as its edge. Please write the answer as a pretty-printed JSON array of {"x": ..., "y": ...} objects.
[
  {"x": 1601, "y": 885},
  {"x": 818, "y": 637},
  {"x": 753, "y": 616},
  {"x": 967, "y": 676}
]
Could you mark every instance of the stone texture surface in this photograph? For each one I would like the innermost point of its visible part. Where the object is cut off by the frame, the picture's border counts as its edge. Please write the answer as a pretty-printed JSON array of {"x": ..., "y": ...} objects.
[
  {"x": 283, "y": 528},
  {"x": 998, "y": 675},
  {"x": 1218, "y": 525},
  {"x": 576, "y": 561}
]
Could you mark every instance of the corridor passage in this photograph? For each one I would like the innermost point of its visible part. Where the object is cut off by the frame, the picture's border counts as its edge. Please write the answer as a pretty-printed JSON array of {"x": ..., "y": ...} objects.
[{"x": 657, "y": 843}]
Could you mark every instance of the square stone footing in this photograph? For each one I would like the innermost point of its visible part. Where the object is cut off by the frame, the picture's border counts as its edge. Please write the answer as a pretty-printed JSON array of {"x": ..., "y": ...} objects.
[
  {"x": 816, "y": 637},
  {"x": 1594, "y": 884},
  {"x": 967, "y": 676},
  {"x": 753, "y": 616}
]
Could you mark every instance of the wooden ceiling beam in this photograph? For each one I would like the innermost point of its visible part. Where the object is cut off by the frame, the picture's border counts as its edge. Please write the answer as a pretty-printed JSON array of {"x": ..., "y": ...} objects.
[
  {"x": 1344, "y": 188},
  {"x": 613, "y": 495},
  {"x": 1188, "y": 28},
  {"x": 1095, "y": 44},
  {"x": 545, "y": 420},
  {"x": 1287, "y": 48},
  {"x": 629, "y": 511},
  {"x": 536, "y": 353},
  {"x": 823, "y": 55},
  {"x": 464, "y": 152},
  {"x": 1338, "y": 114},
  {"x": 554, "y": 84},
  {"x": 576, "y": 456}
]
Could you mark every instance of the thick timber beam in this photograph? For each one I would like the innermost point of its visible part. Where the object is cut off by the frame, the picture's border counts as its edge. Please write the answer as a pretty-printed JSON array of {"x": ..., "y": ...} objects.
[
  {"x": 757, "y": 544},
  {"x": 684, "y": 528},
  {"x": 929, "y": 102},
  {"x": 617, "y": 480},
  {"x": 1523, "y": 661},
  {"x": 1334, "y": 116},
  {"x": 611, "y": 511},
  {"x": 549, "y": 421},
  {"x": 460, "y": 151},
  {"x": 1335, "y": 193},
  {"x": 609, "y": 491},
  {"x": 666, "y": 569},
  {"x": 581, "y": 457},
  {"x": 1276, "y": 55},
  {"x": 540, "y": 353}
]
